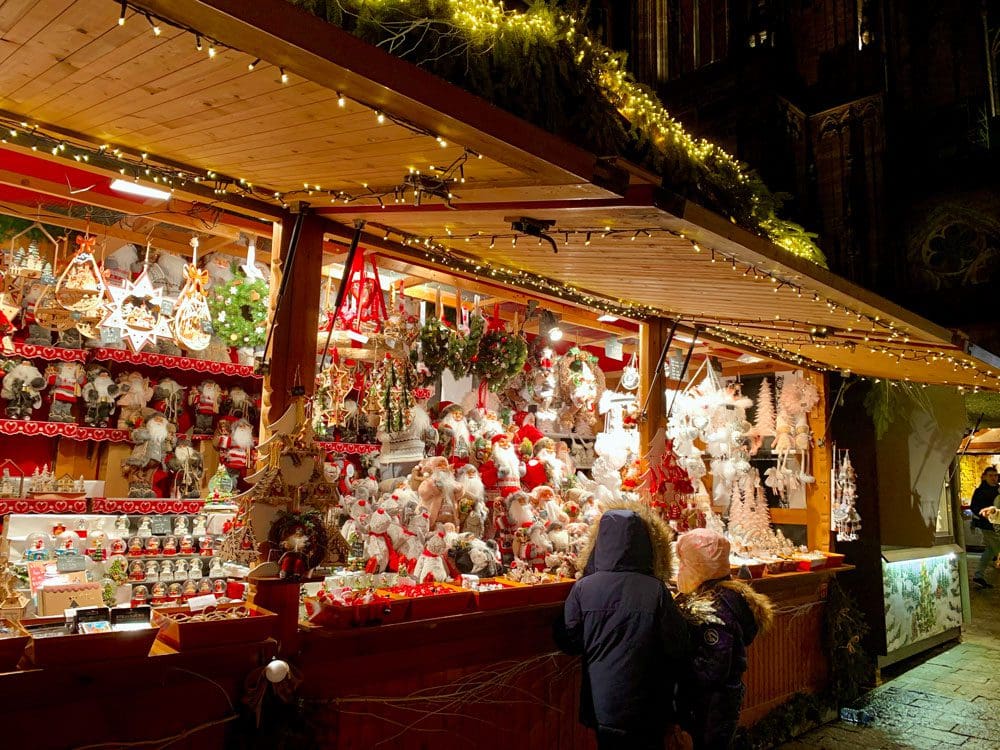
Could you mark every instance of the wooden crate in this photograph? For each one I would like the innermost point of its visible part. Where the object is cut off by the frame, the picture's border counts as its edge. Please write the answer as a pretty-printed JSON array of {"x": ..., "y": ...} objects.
[
  {"x": 66, "y": 650},
  {"x": 185, "y": 636}
]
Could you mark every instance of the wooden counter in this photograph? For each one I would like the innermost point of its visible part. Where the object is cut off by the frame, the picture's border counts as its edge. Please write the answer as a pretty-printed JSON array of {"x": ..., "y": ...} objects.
[
  {"x": 495, "y": 680},
  {"x": 131, "y": 700}
]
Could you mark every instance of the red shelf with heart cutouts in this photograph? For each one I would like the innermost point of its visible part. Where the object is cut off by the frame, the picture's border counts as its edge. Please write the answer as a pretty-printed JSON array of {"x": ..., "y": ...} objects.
[{"x": 34, "y": 428}]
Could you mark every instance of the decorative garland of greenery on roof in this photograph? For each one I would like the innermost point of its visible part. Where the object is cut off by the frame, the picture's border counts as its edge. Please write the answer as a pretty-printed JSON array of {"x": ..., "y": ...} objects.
[{"x": 542, "y": 66}]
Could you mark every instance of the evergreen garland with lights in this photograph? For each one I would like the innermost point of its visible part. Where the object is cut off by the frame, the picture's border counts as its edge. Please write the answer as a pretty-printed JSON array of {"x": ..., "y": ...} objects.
[
  {"x": 239, "y": 311},
  {"x": 542, "y": 66}
]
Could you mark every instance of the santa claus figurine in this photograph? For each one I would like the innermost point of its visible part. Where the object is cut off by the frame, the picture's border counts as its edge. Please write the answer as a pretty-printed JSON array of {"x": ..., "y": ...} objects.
[
  {"x": 509, "y": 468},
  {"x": 526, "y": 429},
  {"x": 456, "y": 442},
  {"x": 206, "y": 398},
  {"x": 99, "y": 394},
  {"x": 168, "y": 399},
  {"x": 489, "y": 425},
  {"x": 136, "y": 392},
  {"x": 66, "y": 383},
  {"x": 236, "y": 448},
  {"x": 547, "y": 505},
  {"x": 22, "y": 387}
]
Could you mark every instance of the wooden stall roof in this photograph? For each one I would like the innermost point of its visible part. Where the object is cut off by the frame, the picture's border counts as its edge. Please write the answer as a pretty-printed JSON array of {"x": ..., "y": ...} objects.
[
  {"x": 650, "y": 248},
  {"x": 68, "y": 69},
  {"x": 68, "y": 66}
]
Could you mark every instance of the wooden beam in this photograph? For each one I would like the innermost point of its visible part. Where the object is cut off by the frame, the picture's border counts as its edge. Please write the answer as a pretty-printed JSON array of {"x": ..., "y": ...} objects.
[
  {"x": 175, "y": 212},
  {"x": 108, "y": 167},
  {"x": 572, "y": 315},
  {"x": 652, "y": 337},
  {"x": 94, "y": 227},
  {"x": 292, "y": 353}
]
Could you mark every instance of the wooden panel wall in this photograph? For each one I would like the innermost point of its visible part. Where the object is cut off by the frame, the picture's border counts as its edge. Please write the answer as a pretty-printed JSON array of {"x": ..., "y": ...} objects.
[{"x": 499, "y": 681}]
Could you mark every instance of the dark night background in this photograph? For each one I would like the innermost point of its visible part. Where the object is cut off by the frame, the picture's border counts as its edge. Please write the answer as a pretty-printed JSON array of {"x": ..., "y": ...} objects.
[{"x": 878, "y": 118}]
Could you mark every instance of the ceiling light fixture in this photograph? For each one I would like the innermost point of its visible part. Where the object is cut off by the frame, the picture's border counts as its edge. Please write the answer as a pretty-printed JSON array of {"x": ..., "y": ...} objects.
[{"x": 143, "y": 191}]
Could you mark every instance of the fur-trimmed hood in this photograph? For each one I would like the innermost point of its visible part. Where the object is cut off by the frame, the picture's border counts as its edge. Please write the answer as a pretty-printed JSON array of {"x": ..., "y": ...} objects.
[
  {"x": 707, "y": 606},
  {"x": 654, "y": 559}
]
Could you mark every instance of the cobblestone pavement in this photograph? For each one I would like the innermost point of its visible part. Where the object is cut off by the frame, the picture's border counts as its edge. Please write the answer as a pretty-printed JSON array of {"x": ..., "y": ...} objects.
[{"x": 950, "y": 700}]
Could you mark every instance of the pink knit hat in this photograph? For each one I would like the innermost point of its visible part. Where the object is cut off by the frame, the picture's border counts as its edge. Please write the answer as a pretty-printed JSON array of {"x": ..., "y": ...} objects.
[{"x": 704, "y": 556}]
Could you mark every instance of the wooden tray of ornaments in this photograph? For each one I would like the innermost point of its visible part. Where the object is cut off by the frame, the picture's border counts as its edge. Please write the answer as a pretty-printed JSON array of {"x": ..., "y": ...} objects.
[
  {"x": 185, "y": 635},
  {"x": 517, "y": 594},
  {"x": 65, "y": 650}
]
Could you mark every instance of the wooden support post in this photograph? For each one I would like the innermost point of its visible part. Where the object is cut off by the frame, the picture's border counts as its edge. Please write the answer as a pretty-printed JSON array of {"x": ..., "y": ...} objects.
[
  {"x": 652, "y": 336},
  {"x": 293, "y": 345},
  {"x": 818, "y": 493}
]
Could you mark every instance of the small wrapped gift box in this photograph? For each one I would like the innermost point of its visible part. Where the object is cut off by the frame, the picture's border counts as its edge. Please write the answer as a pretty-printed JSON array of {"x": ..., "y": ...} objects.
[{"x": 54, "y": 599}]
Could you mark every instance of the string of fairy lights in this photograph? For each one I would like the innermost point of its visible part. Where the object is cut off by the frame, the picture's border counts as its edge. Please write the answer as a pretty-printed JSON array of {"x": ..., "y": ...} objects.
[
  {"x": 416, "y": 185},
  {"x": 856, "y": 321},
  {"x": 873, "y": 332}
]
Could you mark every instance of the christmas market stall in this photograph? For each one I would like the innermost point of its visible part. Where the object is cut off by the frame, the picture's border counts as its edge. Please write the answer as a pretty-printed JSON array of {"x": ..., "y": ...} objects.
[{"x": 318, "y": 369}]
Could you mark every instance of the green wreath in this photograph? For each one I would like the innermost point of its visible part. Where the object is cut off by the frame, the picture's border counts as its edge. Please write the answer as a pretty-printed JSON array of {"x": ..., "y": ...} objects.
[
  {"x": 435, "y": 346},
  {"x": 462, "y": 348},
  {"x": 239, "y": 311},
  {"x": 313, "y": 527},
  {"x": 501, "y": 356}
]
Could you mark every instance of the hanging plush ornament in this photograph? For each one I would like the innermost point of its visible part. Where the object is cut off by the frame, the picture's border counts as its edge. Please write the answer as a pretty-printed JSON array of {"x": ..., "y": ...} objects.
[
  {"x": 191, "y": 325},
  {"x": 136, "y": 310},
  {"x": 80, "y": 287}
]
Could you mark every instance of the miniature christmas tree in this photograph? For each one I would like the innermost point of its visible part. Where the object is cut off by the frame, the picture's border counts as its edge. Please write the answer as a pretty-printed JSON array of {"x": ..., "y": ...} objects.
[{"x": 764, "y": 425}]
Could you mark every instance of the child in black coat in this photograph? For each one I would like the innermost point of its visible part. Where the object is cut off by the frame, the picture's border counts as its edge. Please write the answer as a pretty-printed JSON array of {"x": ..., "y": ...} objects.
[{"x": 623, "y": 621}]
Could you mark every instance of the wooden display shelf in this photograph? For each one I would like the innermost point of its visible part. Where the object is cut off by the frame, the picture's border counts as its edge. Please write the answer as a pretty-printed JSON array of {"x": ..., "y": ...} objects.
[
  {"x": 183, "y": 636},
  {"x": 32, "y": 505},
  {"x": 142, "y": 506},
  {"x": 172, "y": 362},
  {"x": 126, "y": 356},
  {"x": 356, "y": 449},
  {"x": 71, "y": 430}
]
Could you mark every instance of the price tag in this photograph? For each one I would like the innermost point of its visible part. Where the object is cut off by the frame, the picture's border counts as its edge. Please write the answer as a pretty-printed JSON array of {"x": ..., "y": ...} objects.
[
  {"x": 71, "y": 563},
  {"x": 160, "y": 525},
  {"x": 198, "y": 603},
  {"x": 613, "y": 349},
  {"x": 111, "y": 335}
]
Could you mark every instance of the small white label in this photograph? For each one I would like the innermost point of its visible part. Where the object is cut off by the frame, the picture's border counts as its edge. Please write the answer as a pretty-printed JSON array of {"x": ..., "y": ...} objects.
[
  {"x": 198, "y": 603},
  {"x": 613, "y": 349}
]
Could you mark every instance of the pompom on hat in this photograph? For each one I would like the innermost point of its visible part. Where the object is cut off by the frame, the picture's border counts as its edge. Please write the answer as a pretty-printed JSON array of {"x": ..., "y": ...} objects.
[{"x": 703, "y": 556}]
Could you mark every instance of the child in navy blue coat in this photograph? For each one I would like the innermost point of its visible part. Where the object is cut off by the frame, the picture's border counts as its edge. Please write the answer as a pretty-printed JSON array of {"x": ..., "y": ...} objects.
[
  {"x": 724, "y": 617},
  {"x": 623, "y": 621}
]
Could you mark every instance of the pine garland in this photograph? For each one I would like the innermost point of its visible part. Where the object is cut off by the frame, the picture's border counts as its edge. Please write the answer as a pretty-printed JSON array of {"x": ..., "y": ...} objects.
[
  {"x": 851, "y": 671},
  {"x": 542, "y": 66},
  {"x": 239, "y": 311}
]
